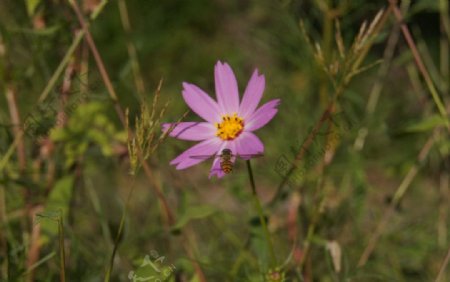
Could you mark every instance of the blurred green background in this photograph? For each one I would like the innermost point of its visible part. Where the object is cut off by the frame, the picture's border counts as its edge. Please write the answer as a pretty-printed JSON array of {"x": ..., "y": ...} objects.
[{"x": 385, "y": 116}]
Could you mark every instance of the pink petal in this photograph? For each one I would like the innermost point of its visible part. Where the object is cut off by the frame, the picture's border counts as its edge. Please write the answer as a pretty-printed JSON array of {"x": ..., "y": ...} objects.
[
  {"x": 252, "y": 95},
  {"x": 193, "y": 131},
  {"x": 216, "y": 169},
  {"x": 262, "y": 116},
  {"x": 205, "y": 148},
  {"x": 248, "y": 144},
  {"x": 201, "y": 103},
  {"x": 226, "y": 89}
]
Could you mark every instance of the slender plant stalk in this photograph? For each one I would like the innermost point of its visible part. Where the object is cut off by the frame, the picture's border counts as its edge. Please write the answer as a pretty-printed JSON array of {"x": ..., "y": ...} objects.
[
  {"x": 428, "y": 60},
  {"x": 114, "y": 98},
  {"x": 310, "y": 232},
  {"x": 301, "y": 153},
  {"x": 119, "y": 232},
  {"x": 93, "y": 196},
  {"x": 260, "y": 212},
  {"x": 15, "y": 120},
  {"x": 60, "y": 223},
  {"x": 62, "y": 254},
  {"x": 132, "y": 53},
  {"x": 398, "y": 195},
  {"x": 10, "y": 150},
  {"x": 4, "y": 265},
  {"x": 442, "y": 225},
  {"x": 3, "y": 236},
  {"x": 34, "y": 245},
  {"x": 39, "y": 263},
  {"x": 20, "y": 148},
  {"x": 319, "y": 208},
  {"x": 14, "y": 113},
  {"x": 377, "y": 29},
  {"x": 121, "y": 115},
  {"x": 98, "y": 59},
  {"x": 61, "y": 67},
  {"x": 343, "y": 84},
  {"x": 423, "y": 70},
  {"x": 170, "y": 217},
  {"x": 378, "y": 86},
  {"x": 48, "y": 88},
  {"x": 50, "y": 85},
  {"x": 441, "y": 273},
  {"x": 33, "y": 253},
  {"x": 326, "y": 46}
]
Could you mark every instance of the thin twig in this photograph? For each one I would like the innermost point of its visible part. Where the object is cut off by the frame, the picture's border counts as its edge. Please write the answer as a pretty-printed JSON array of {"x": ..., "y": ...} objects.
[
  {"x": 374, "y": 28},
  {"x": 120, "y": 112},
  {"x": 311, "y": 229},
  {"x": 398, "y": 195},
  {"x": 132, "y": 53},
  {"x": 62, "y": 255},
  {"x": 3, "y": 236},
  {"x": 442, "y": 225},
  {"x": 48, "y": 88},
  {"x": 59, "y": 70},
  {"x": 35, "y": 244},
  {"x": 15, "y": 120},
  {"x": 440, "y": 276},
  {"x": 113, "y": 94},
  {"x": 423, "y": 70},
  {"x": 302, "y": 151},
  {"x": 378, "y": 86},
  {"x": 119, "y": 231},
  {"x": 99, "y": 61}
]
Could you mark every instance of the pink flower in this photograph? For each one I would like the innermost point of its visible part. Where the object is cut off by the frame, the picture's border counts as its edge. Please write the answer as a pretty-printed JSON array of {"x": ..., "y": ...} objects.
[{"x": 229, "y": 123}]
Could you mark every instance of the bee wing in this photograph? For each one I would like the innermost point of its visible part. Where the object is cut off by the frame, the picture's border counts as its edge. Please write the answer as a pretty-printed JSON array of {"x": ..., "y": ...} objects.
[
  {"x": 204, "y": 157},
  {"x": 248, "y": 156},
  {"x": 216, "y": 169}
]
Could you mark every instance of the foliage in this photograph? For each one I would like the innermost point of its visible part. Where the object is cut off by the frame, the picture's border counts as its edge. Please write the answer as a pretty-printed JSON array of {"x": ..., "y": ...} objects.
[{"x": 354, "y": 181}]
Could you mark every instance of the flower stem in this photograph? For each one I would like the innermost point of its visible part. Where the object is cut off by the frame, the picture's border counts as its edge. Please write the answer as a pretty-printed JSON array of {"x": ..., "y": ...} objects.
[{"x": 259, "y": 209}]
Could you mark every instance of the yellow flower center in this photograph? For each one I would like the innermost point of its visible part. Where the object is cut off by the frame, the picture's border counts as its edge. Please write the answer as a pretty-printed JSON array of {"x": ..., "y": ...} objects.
[{"x": 230, "y": 127}]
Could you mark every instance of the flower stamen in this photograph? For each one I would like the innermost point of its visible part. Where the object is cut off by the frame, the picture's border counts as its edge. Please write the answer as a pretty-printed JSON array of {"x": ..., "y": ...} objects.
[{"x": 230, "y": 127}]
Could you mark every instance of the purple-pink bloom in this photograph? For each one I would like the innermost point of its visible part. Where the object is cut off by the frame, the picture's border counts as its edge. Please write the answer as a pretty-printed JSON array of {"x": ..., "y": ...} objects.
[{"x": 229, "y": 123}]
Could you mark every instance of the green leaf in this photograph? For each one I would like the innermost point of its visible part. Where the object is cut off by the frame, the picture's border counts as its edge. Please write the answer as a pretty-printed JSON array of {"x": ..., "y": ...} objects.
[
  {"x": 58, "y": 134},
  {"x": 153, "y": 271},
  {"x": 193, "y": 212},
  {"x": 427, "y": 124},
  {"x": 61, "y": 194},
  {"x": 58, "y": 201}
]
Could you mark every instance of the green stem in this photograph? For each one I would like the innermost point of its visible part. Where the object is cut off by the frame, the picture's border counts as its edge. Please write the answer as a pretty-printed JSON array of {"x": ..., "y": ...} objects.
[
  {"x": 62, "y": 65},
  {"x": 119, "y": 233},
  {"x": 418, "y": 59},
  {"x": 3, "y": 237},
  {"x": 311, "y": 231},
  {"x": 259, "y": 209},
  {"x": 61, "y": 249}
]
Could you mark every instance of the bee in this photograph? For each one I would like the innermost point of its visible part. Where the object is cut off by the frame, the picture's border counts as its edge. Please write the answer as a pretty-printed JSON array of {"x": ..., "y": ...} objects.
[{"x": 226, "y": 156}]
